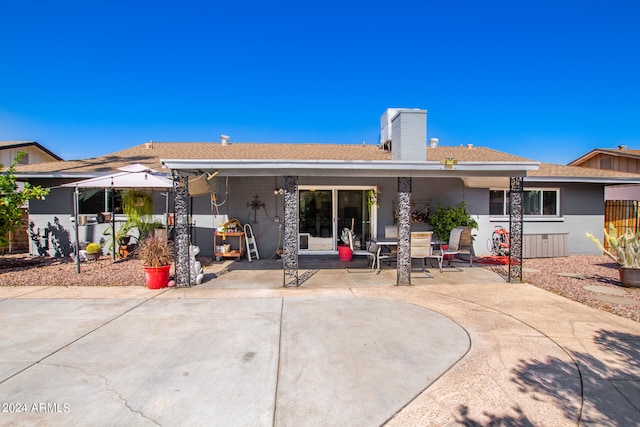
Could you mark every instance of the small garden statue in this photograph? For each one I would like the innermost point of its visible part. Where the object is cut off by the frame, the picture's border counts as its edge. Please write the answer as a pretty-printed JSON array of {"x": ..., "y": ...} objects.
[{"x": 196, "y": 273}]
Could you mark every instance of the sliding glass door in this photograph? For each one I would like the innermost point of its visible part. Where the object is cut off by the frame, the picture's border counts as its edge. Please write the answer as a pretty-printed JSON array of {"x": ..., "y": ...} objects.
[
  {"x": 353, "y": 213},
  {"x": 324, "y": 212},
  {"x": 316, "y": 220}
]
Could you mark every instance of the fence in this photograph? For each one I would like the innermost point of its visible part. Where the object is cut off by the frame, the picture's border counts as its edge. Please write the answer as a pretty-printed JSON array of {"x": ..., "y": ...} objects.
[
  {"x": 623, "y": 214},
  {"x": 19, "y": 238}
]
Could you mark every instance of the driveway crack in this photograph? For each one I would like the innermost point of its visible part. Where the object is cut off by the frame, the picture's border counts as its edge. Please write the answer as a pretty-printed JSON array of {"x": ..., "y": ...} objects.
[{"x": 109, "y": 388}]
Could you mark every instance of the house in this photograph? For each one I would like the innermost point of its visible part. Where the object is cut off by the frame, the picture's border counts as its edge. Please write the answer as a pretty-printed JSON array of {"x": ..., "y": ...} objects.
[
  {"x": 298, "y": 197},
  {"x": 33, "y": 153},
  {"x": 621, "y": 159}
]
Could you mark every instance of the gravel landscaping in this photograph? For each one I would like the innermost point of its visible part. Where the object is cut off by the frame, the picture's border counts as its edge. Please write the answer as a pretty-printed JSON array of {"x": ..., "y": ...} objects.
[
  {"x": 592, "y": 280},
  {"x": 589, "y": 279}
]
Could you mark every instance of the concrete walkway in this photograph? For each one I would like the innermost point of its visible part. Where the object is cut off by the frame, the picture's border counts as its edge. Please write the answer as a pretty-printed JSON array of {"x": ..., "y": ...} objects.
[{"x": 431, "y": 354}]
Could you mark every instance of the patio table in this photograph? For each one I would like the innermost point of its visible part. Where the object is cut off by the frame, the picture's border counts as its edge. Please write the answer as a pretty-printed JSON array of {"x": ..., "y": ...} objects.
[{"x": 390, "y": 243}]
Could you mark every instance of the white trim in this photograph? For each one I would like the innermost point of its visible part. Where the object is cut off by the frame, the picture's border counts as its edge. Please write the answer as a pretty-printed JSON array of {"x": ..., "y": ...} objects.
[
  {"x": 528, "y": 218},
  {"x": 582, "y": 180},
  {"x": 378, "y": 168}
]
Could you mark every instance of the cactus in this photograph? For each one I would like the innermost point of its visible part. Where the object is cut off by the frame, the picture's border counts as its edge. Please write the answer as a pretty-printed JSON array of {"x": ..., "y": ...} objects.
[
  {"x": 93, "y": 248},
  {"x": 625, "y": 248}
]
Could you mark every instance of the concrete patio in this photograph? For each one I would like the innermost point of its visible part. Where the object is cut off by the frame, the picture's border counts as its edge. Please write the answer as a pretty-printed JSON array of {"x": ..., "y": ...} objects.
[
  {"x": 345, "y": 348},
  {"x": 327, "y": 271}
]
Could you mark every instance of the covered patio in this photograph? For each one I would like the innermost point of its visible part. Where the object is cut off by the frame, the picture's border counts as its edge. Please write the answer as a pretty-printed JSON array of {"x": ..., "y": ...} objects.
[
  {"x": 290, "y": 172},
  {"x": 325, "y": 271},
  {"x": 399, "y": 163}
]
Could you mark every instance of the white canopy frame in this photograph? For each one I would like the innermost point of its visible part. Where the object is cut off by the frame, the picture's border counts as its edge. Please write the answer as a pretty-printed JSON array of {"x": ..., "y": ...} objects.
[{"x": 136, "y": 176}]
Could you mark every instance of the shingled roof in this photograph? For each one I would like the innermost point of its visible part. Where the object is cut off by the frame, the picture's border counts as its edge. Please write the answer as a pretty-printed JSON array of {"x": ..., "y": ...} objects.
[{"x": 149, "y": 154}]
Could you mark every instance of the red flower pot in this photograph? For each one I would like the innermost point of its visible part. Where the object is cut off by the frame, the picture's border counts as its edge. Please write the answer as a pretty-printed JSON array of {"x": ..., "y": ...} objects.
[
  {"x": 157, "y": 277},
  {"x": 449, "y": 256},
  {"x": 345, "y": 253}
]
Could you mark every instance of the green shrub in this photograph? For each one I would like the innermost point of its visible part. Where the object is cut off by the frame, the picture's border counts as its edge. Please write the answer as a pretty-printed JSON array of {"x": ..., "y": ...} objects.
[{"x": 445, "y": 219}]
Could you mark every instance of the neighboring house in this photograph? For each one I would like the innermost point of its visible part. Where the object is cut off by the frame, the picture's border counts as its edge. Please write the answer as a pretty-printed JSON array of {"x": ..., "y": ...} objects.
[
  {"x": 621, "y": 159},
  {"x": 253, "y": 182},
  {"x": 33, "y": 153}
]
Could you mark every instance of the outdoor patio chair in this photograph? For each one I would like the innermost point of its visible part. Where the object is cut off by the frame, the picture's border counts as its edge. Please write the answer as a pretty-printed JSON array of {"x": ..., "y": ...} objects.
[
  {"x": 376, "y": 249},
  {"x": 391, "y": 232},
  {"x": 421, "y": 249},
  {"x": 359, "y": 251},
  {"x": 460, "y": 241}
]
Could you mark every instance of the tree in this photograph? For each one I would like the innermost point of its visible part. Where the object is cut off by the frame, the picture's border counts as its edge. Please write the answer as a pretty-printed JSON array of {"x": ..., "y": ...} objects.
[{"x": 12, "y": 200}]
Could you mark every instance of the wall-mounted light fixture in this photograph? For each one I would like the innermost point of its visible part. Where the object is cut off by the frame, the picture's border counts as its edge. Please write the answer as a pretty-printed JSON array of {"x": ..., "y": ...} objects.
[
  {"x": 449, "y": 162},
  {"x": 278, "y": 191}
]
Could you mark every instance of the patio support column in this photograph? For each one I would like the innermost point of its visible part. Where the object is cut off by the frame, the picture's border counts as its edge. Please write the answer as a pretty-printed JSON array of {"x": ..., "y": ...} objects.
[
  {"x": 404, "y": 231},
  {"x": 291, "y": 227},
  {"x": 181, "y": 240},
  {"x": 516, "y": 203}
]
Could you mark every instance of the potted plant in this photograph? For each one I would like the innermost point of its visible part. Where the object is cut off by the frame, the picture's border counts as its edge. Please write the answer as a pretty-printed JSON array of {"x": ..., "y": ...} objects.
[
  {"x": 156, "y": 255},
  {"x": 625, "y": 251},
  {"x": 92, "y": 251},
  {"x": 445, "y": 219},
  {"x": 138, "y": 208},
  {"x": 345, "y": 253}
]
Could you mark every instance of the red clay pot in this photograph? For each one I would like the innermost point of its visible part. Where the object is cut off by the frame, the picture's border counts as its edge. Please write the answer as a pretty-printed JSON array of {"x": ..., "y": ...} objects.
[{"x": 157, "y": 277}]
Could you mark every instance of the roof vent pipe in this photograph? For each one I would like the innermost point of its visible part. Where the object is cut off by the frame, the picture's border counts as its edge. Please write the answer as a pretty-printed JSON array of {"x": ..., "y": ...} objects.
[
  {"x": 224, "y": 139},
  {"x": 433, "y": 142}
]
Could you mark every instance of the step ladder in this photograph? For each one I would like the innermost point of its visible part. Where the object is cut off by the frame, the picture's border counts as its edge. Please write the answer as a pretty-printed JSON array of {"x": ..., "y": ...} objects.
[{"x": 252, "y": 248}]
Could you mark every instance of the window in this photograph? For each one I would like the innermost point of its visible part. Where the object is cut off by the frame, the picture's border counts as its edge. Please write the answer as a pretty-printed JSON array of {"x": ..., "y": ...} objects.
[
  {"x": 25, "y": 159},
  {"x": 499, "y": 202},
  {"x": 606, "y": 163},
  {"x": 536, "y": 202},
  {"x": 93, "y": 201}
]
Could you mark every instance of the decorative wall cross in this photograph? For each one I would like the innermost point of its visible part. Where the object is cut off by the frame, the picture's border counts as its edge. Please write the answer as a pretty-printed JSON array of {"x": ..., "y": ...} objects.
[{"x": 255, "y": 204}]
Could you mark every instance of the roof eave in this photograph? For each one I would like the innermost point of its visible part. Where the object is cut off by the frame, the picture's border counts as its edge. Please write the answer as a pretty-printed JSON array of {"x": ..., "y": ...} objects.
[
  {"x": 584, "y": 180},
  {"x": 584, "y": 157},
  {"x": 609, "y": 152},
  {"x": 382, "y": 168},
  {"x": 57, "y": 175}
]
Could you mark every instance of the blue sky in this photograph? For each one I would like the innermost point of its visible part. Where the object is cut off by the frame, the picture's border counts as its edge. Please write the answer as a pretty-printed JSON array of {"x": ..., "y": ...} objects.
[{"x": 547, "y": 80}]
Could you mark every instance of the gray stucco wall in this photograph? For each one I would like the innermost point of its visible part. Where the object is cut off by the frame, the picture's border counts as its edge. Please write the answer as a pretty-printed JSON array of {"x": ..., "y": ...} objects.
[
  {"x": 233, "y": 200},
  {"x": 582, "y": 210},
  {"x": 52, "y": 220}
]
